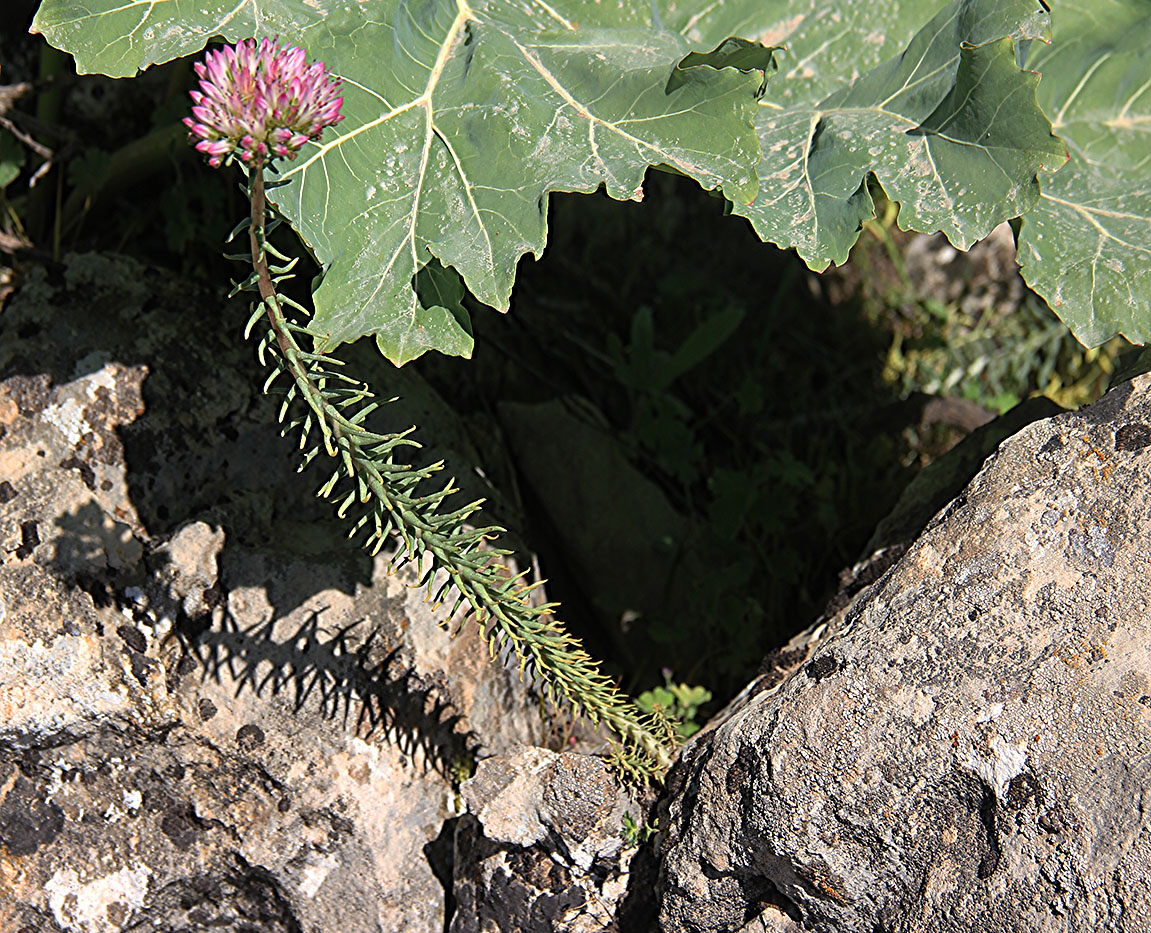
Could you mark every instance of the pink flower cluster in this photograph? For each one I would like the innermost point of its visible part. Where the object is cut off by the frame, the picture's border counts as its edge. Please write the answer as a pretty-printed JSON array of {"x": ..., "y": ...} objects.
[{"x": 262, "y": 102}]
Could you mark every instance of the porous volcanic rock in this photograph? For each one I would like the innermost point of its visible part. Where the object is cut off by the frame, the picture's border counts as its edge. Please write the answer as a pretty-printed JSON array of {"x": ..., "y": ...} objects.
[{"x": 967, "y": 745}]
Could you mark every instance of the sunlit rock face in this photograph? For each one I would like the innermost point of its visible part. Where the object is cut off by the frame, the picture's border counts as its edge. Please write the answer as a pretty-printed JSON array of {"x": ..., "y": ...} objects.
[{"x": 967, "y": 745}]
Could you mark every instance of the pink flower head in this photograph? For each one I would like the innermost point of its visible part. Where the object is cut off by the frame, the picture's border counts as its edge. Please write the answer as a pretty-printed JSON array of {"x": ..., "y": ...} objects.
[{"x": 262, "y": 102}]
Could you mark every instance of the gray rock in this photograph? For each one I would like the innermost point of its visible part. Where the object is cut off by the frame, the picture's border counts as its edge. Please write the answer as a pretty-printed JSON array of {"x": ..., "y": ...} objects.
[
  {"x": 214, "y": 712},
  {"x": 540, "y": 849},
  {"x": 967, "y": 745},
  {"x": 193, "y": 569},
  {"x": 579, "y": 469}
]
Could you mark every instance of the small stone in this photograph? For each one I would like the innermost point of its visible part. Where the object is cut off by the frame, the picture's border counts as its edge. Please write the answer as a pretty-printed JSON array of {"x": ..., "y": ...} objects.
[
  {"x": 29, "y": 538},
  {"x": 27, "y": 823},
  {"x": 193, "y": 569},
  {"x": 180, "y": 825},
  {"x": 823, "y": 666}
]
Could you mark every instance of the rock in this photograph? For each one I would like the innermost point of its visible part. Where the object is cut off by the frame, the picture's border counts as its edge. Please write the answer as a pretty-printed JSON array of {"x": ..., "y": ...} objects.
[
  {"x": 61, "y": 678},
  {"x": 214, "y": 715},
  {"x": 573, "y": 801},
  {"x": 193, "y": 569},
  {"x": 966, "y": 745},
  {"x": 540, "y": 848},
  {"x": 214, "y": 712},
  {"x": 578, "y": 470},
  {"x": 76, "y": 456}
]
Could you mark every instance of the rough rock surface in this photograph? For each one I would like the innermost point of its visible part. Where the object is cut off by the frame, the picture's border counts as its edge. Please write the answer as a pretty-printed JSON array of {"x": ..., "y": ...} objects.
[
  {"x": 540, "y": 849},
  {"x": 214, "y": 713},
  {"x": 967, "y": 745}
]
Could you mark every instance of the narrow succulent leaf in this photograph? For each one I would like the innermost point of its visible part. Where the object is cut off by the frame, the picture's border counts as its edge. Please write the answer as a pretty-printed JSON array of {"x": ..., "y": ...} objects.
[
  {"x": 297, "y": 328},
  {"x": 241, "y": 227},
  {"x": 288, "y": 397},
  {"x": 349, "y": 500},
  {"x": 326, "y": 489},
  {"x": 291, "y": 262}
]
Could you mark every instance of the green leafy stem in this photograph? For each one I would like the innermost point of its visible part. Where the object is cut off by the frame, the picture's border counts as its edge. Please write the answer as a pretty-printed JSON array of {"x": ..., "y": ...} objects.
[{"x": 387, "y": 497}]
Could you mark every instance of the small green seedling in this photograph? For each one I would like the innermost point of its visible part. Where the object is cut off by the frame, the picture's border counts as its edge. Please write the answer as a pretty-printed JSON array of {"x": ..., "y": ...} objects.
[
  {"x": 680, "y": 703},
  {"x": 635, "y": 834}
]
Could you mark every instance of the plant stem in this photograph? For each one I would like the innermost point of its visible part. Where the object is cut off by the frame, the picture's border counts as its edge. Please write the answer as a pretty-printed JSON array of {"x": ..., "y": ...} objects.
[{"x": 497, "y": 601}]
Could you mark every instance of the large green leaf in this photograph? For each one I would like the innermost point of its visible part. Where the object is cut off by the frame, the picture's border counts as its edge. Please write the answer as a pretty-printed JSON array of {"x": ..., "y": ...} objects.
[
  {"x": 459, "y": 120},
  {"x": 940, "y": 113},
  {"x": 1086, "y": 246}
]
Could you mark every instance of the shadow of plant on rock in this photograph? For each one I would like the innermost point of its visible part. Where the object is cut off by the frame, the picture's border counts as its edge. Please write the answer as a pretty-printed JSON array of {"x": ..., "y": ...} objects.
[{"x": 350, "y": 673}]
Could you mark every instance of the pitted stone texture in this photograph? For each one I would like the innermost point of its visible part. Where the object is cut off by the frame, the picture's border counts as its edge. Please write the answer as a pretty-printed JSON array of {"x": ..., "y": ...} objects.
[
  {"x": 60, "y": 678},
  {"x": 968, "y": 746},
  {"x": 300, "y": 772},
  {"x": 210, "y": 716},
  {"x": 60, "y": 445},
  {"x": 574, "y": 802},
  {"x": 540, "y": 848},
  {"x": 193, "y": 569}
]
